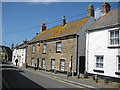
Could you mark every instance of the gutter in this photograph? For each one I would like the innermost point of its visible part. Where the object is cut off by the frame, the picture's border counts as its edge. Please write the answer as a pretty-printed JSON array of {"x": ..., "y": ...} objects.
[
  {"x": 54, "y": 39},
  {"x": 105, "y": 27}
]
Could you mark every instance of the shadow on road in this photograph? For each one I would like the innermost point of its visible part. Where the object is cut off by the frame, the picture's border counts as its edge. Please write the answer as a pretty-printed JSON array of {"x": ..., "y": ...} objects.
[
  {"x": 9, "y": 67},
  {"x": 14, "y": 79}
]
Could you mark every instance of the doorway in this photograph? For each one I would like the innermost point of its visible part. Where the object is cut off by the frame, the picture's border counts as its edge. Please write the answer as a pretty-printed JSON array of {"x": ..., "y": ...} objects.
[
  {"x": 81, "y": 64},
  {"x": 37, "y": 63}
]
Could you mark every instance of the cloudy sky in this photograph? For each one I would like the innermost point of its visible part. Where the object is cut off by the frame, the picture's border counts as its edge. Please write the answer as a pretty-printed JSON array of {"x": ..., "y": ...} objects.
[{"x": 22, "y": 20}]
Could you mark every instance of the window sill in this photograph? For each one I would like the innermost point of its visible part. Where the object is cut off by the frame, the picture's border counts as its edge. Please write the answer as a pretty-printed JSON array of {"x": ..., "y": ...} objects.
[
  {"x": 44, "y": 53},
  {"x": 117, "y": 73},
  {"x": 58, "y": 51},
  {"x": 114, "y": 46},
  {"x": 99, "y": 71}
]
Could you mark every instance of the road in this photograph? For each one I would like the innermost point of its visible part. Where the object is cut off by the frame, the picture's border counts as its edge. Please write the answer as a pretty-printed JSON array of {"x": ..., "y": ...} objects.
[{"x": 14, "y": 77}]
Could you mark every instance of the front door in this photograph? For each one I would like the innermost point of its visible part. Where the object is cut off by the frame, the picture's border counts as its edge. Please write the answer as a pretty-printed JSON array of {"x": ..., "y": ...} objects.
[
  {"x": 37, "y": 63},
  {"x": 81, "y": 64}
]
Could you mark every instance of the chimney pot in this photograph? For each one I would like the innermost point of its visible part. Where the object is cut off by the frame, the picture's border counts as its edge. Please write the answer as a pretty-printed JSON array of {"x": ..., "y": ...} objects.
[
  {"x": 105, "y": 8},
  {"x": 36, "y": 34},
  {"x": 90, "y": 11},
  {"x": 63, "y": 21},
  {"x": 43, "y": 27}
]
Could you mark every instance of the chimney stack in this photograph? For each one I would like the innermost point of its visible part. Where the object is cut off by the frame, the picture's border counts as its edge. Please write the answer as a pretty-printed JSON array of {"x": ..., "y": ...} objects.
[
  {"x": 63, "y": 21},
  {"x": 105, "y": 8},
  {"x": 25, "y": 41},
  {"x": 36, "y": 34},
  {"x": 16, "y": 44},
  {"x": 12, "y": 46},
  {"x": 90, "y": 11},
  {"x": 43, "y": 27}
]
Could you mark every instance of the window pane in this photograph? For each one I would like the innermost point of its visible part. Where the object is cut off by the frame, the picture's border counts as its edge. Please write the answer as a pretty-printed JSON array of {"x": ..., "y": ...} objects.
[
  {"x": 43, "y": 63},
  {"x": 118, "y": 66},
  {"x": 97, "y": 65},
  {"x": 111, "y": 34},
  {"x": 53, "y": 64},
  {"x": 62, "y": 65},
  {"x": 99, "y": 62},
  {"x": 111, "y": 41},
  {"x": 33, "y": 49},
  {"x": 44, "y": 48},
  {"x": 101, "y": 65},
  {"x": 117, "y": 41},
  {"x": 118, "y": 59},
  {"x": 117, "y": 34},
  {"x": 59, "y": 45},
  {"x": 32, "y": 62}
]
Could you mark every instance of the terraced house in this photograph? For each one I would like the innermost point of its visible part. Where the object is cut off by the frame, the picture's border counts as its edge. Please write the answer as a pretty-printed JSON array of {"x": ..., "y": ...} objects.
[
  {"x": 61, "y": 48},
  {"x": 103, "y": 44}
]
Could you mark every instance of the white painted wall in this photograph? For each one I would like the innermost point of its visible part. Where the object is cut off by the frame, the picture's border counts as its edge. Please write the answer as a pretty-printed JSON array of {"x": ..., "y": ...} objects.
[
  {"x": 97, "y": 44},
  {"x": 20, "y": 55}
]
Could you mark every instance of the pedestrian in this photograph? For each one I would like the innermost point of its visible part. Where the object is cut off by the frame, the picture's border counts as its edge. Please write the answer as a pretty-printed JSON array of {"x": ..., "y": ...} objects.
[{"x": 16, "y": 61}]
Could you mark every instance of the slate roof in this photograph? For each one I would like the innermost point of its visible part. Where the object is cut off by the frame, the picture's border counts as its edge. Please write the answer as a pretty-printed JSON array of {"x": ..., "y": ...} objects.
[
  {"x": 111, "y": 18},
  {"x": 60, "y": 31}
]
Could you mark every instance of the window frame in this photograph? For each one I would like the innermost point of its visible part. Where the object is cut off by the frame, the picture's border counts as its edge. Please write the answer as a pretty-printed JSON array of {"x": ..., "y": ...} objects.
[
  {"x": 44, "y": 49},
  {"x": 52, "y": 63},
  {"x": 62, "y": 66},
  {"x": 101, "y": 68},
  {"x": 58, "y": 47},
  {"x": 118, "y": 63},
  {"x": 32, "y": 62},
  {"x": 43, "y": 59},
  {"x": 33, "y": 49},
  {"x": 114, "y": 37}
]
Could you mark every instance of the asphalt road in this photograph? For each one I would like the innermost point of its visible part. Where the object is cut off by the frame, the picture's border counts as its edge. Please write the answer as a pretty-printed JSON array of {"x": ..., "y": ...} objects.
[{"x": 14, "y": 77}]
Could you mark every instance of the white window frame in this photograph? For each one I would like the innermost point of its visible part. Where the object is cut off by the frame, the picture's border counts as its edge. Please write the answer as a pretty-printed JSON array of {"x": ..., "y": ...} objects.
[
  {"x": 43, "y": 64},
  {"x": 114, "y": 37},
  {"x": 118, "y": 63},
  {"x": 62, "y": 68},
  {"x": 52, "y": 64},
  {"x": 32, "y": 62},
  {"x": 44, "y": 48},
  {"x": 99, "y": 62},
  {"x": 58, "y": 48},
  {"x": 33, "y": 49}
]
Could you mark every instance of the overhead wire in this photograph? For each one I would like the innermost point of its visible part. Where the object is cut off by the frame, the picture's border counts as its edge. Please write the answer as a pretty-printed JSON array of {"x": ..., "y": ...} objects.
[{"x": 49, "y": 23}]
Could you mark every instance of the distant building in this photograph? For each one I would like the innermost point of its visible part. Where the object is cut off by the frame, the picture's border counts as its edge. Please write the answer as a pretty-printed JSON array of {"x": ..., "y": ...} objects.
[
  {"x": 5, "y": 53},
  {"x": 19, "y": 52},
  {"x": 103, "y": 44},
  {"x": 61, "y": 48}
]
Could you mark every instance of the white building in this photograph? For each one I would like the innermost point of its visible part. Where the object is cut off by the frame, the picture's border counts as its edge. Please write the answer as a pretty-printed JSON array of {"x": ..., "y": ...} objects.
[
  {"x": 19, "y": 53},
  {"x": 103, "y": 44}
]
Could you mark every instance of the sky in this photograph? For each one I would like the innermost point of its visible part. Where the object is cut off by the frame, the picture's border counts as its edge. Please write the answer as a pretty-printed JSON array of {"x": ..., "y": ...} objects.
[{"x": 22, "y": 20}]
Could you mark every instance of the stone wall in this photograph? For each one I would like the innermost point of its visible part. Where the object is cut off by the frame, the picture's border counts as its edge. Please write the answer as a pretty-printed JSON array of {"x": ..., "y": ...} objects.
[{"x": 68, "y": 48}]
